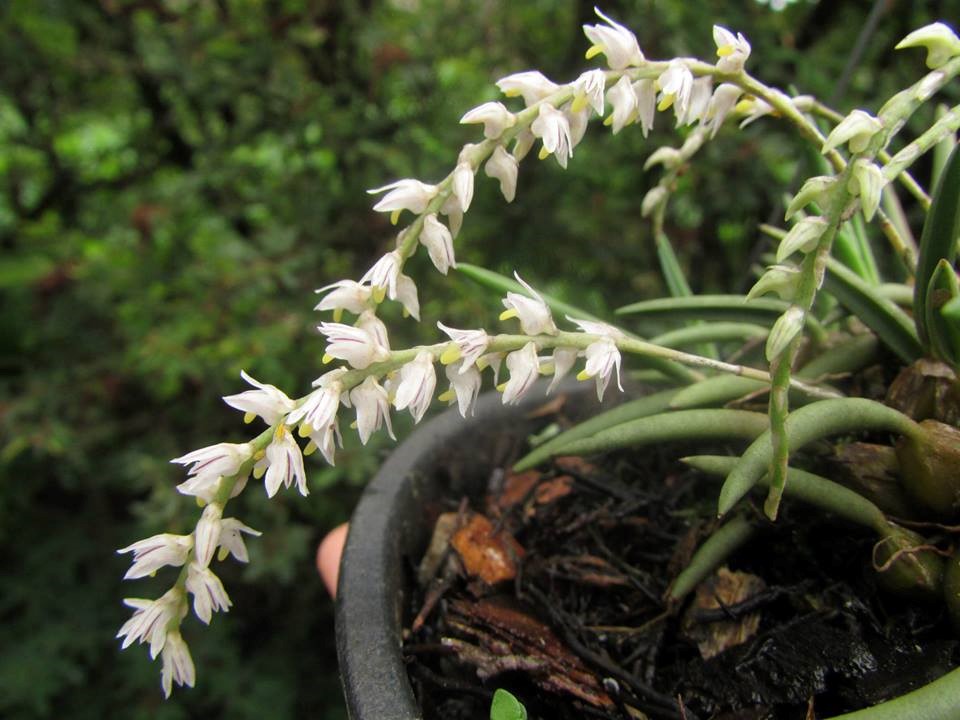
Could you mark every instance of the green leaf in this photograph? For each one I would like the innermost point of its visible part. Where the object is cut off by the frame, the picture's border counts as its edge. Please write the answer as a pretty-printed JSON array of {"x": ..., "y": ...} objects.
[
  {"x": 633, "y": 410},
  {"x": 677, "y": 282},
  {"x": 716, "y": 308},
  {"x": 891, "y": 324},
  {"x": 732, "y": 308},
  {"x": 670, "y": 266},
  {"x": 713, "y": 332},
  {"x": 506, "y": 707},
  {"x": 939, "y": 239},
  {"x": 944, "y": 331},
  {"x": 678, "y": 425}
]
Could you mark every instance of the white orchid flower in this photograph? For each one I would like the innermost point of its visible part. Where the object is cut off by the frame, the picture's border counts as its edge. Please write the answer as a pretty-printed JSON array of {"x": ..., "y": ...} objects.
[
  {"x": 732, "y": 50},
  {"x": 151, "y": 618},
  {"x": 494, "y": 116},
  {"x": 355, "y": 345},
  {"x": 553, "y": 129},
  {"x": 407, "y": 194},
  {"x": 532, "y": 85},
  {"x": 267, "y": 402},
  {"x": 208, "y": 593},
  {"x": 532, "y": 311},
  {"x": 439, "y": 243},
  {"x": 465, "y": 384},
  {"x": 469, "y": 346},
  {"x": 418, "y": 379},
  {"x": 177, "y": 664},
  {"x": 344, "y": 295},
  {"x": 370, "y": 401},
  {"x": 284, "y": 464},
  {"x": 524, "y": 367},
  {"x": 155, "y": 552},
  {"x": 615, "y": 41},
  {"x": 503, "y": 167},
  {"x": 231, "y": 539}
]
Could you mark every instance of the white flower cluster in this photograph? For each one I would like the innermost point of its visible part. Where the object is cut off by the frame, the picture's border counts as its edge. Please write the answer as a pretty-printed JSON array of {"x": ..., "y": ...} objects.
[{"x": 373, "y": 379}]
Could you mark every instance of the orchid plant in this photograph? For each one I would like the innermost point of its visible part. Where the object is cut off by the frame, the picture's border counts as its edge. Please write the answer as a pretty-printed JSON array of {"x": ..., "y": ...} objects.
[{"x": 831, "y": 313}]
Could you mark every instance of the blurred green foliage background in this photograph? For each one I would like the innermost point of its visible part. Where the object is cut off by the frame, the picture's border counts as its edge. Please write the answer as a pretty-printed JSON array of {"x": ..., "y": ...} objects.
[{"x": 177, "y": 176}]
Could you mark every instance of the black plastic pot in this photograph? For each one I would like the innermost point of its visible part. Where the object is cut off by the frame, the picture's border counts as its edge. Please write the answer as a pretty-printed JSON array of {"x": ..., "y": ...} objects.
[
  {"x": 448, "y": 455},
  {"x": 451, "y": 457}
]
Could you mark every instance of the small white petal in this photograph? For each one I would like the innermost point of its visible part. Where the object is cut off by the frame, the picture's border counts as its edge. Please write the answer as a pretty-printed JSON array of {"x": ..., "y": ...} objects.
[
  {"x": 532, "y": 85},
  {"x": 177, "y": 664},
  {"x": 465, "y": 382},
  {"x": 207, "y": 533},
  {"x": 563, "y": 361},
  {"x": 345, "y": 295},
  {"x": 267, "y": 401},
  {"x": 553, "y": 129},
  {"x": 494, "y": 116},
  {"x": 408, "y": 194},
  {"x": 285, "y": 464},
  {"x": 156, "y": 552},
  {"x": 504, "y": 167},
  {"x": 231, "y": 538},
  {"x": 533, "y": 313},
  {"x": 208, "y": 593},
  {"x": 373, "y": 408},
  {"x": 418, "y": 379},
  {"x": 439, "y": 243},
  {"x": 615, "y": 41},
  {"x": 524, "y": 367}
]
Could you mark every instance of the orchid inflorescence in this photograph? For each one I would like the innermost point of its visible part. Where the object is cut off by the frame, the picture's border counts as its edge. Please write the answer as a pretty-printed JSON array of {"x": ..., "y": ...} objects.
[{"x": 373, "y": 380}]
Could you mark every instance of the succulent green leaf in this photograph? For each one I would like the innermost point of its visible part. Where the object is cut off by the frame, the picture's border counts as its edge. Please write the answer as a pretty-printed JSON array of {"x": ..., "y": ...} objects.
[
  {"x": 671, "y": 426},
  {"x": 676, "y": 281},
  {"x": 670, "y": 266},
  {"x": 939, "y": 239},
  {"x": 709, "y": 556},
  {"x": 732, "y": 308},
  {"x": 716, "y": 390},
  {"x": 815, "y": 421},
  {"x": 633, "y": 410},
  {"x": 506, "y": 707},
  {"x": 952, "y": 310},
  {"x": 806, "y": 487},
  {"x": 891, "y": 324},
  {"x": 944, "y": 331},
  {"x": 713, "y": 332}
]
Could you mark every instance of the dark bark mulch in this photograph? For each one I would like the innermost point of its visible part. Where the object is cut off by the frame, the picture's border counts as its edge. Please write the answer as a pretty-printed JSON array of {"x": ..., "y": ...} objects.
[{"x": 552, "y": 586}]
